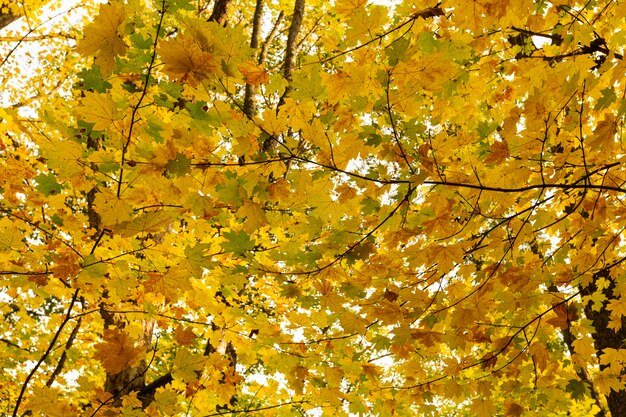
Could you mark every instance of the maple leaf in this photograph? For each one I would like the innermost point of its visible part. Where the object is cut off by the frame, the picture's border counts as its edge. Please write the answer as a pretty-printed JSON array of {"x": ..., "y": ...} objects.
[
  {"x": 47, "y": 402},
  {"x": 10, "y": 236},
  {"x": 187, "y": 365},
  {"x": 112, "y": 209},
  {"x": 64, "y": 157},
  {"x": 185, "y": 60},
  {"x": 166, "y": 401},
  {"x": 482, "y": 407},
  {"x": 99, "y": 109},
  {"x": 184, "y": 335},
  {"x": 604, "y": 134},
  {"x": 564, "y": 316},
  {"x": 498, "y": 153},
  {"x": 103, "y": 37},
  {"x": 117, "y": 352},
  {"x": 148, "y": 222},
  {"x": 606, "y": 382},
  {"x": 171, "y": 283},
  {"x": 513, "y": 409},
  {"x": 254, "y": 74},
  {"x": 576, "y": 388},
  {"x": 237, "y": 242}
]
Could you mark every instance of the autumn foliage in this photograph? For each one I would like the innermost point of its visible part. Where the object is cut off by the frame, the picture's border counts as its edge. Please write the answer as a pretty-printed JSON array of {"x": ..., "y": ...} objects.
[{"x": 312, "y": 208}]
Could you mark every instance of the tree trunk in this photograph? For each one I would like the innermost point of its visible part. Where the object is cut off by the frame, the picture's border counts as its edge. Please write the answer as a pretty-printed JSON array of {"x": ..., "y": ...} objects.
[
  {"x": 605, "y": 337},
  {"x": 220, "y": 12},
  {"x": 6, "y": 18}
]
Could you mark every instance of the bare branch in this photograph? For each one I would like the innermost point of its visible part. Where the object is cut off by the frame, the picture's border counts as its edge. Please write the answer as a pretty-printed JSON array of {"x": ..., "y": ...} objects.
[
  {"x": 41, "y": 360},
  {"x": 270, "y": 38}
]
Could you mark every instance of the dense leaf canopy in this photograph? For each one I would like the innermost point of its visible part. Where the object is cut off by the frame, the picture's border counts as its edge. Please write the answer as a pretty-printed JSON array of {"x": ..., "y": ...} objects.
[{"x": 312, "y": 208}]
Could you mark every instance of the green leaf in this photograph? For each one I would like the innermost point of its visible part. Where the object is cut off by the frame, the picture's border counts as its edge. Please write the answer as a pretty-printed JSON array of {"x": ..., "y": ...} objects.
[
  {"x": 196, "y": 256},
  {"x": 91, "y": 79},
  {"x": 576, "y": 388},
  {"x": 47, "y": 184},
  {"x": 179, "y": 166},
  {"x": 608, "y": 98},
  {"x": 238, "y": 243},
  {"x": 140, "y": 42},
  {"x": 93, "y": 271},
  {"x": 397, "y": 50}
]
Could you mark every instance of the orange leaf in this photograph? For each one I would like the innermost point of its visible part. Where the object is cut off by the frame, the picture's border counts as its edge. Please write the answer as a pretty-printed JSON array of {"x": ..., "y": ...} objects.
[
  {"x": 185, "y": 61},
  {"x": 117, "y": 352},
  {"x": 254, "y": 74}
]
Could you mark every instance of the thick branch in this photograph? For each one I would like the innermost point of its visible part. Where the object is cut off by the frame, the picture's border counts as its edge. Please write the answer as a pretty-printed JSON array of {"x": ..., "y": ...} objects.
[
  {"x": 249, "y": 99},
  {"x": 63, "y": 358},
  {"x": 6, "y": 19},
  {"x": 220, "y": 12},
  {"x": 41, "y": 360},
  {"x": 146, "y": 394},
  {"x": 270, "y": 38},
  {"x": 582, "y": 372},
  {"x": 605, "y": 336},
  {"x": 292, "y": 38}
]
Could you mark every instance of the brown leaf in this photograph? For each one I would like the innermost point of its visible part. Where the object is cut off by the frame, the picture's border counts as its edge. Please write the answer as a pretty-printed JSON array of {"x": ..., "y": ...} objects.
[
  {"x": 184, "y": 335},
  {"x": 499, "y": 152}
]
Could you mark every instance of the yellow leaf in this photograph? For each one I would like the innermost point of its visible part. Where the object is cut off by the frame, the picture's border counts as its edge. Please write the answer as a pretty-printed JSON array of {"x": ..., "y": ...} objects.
[
  {"x": 274, "y": 124},
  {"x": 63, "y": 156},
  {"x": 483, "y": 407},
  {"x": 605, "y": 382},
  {"x": 112, "y": 209},
  {"x": 45, "y": 402},
  {"x": 171, "y": 284},
  {"x": 99, "y": 109},
  {"x": 10, "y": 236},
  {"x": 149, "y": 222},
  {"x": 614, "y": 358},
  {"x": 103, "y": 37},
  {"x": 352, "y": 323},
  {"x": 603, "y": 139},
  {"x": 254, "y": 215},
  {"x": 216, "y": 362},
  {"x": 540, "y": 355},
  {"x": 617, "y": 307},
  {"x": 166, "y": 401},
  {"x": 187, "y": 365}
]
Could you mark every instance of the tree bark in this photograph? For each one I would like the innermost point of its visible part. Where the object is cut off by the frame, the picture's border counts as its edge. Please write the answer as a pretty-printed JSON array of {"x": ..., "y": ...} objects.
[
  {"x": 292, "y": 40},
  {"x": 6, "y": 18},
  {"x": 605, "y": 337},
  {"x": 220, "y": 12},
  {"x": 249, "y": 102}
]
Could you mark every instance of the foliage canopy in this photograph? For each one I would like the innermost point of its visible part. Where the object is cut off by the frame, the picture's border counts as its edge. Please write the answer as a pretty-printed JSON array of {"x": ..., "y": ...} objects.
[{"x": 313, "y": 208}]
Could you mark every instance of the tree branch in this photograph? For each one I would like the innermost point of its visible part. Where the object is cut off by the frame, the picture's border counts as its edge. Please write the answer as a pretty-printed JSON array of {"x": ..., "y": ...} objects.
[
  {"x": 270, "y": 38},
  {"x": 41, "y": 360},
  {"x": 249, "y": 103},
  {"x": 292, "y": 39},
  {"x": 220, "y": 12},
  {"x": 63, "y": 358}
]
